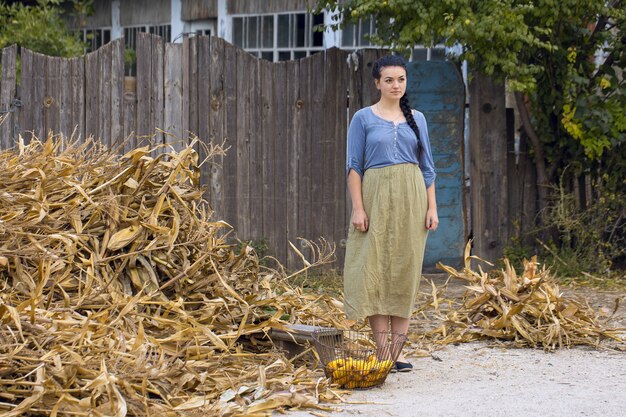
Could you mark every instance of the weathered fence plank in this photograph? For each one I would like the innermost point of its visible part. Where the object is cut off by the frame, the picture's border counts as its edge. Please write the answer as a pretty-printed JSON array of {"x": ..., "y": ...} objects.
[
  {"x": 293, "y": 154},
  {"x": 77, "y": 118},
  {"x": 243, "y": 141},
  {"x": 186, "y": 86},
  {"x": 305, "y": 133},
  {"x": 150, "y": 86},
  {"x": 130, "y": 113},
  {"x": 256, "y": 151},
  {"x": 65, "y": 97},
  {"x": 51, "y": 107},
  {"x": 8, "y": 85},
  {"x": 116, "y": 90},
  {"x": 488, "y": 167},
  {"x": 318, "y": 123},
  {"x": 103, "y": 131},
  {"x": 204, "y": 86},
  {"x": 268, "y": 145},
  {"x": 192, "y": 71},
  {"x": 40, "y": 67},
  {"x": 337, "y": 142},
  {"x": 280, "y": 111},
  {"x": 92, "y": 102},
  {"x": 230, "y": 115},
  {"x": 216, "y": 124},
  {"x": 174, "y": 92}
]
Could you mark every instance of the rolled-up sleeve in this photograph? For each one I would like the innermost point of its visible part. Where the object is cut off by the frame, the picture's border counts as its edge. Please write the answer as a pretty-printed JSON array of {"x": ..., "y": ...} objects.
[
  {"x": 425, "y": 157},
  {"x": 355, "y": 158}
]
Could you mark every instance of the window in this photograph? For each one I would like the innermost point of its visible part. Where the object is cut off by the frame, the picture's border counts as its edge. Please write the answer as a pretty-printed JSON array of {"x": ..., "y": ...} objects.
[
  {"x": 130, "y": 33},
  {"x": 279, "y": 37},
  {"x": 95, "y": 38},
  {"x": 437, "y": 53},
  {"x": 130, "y": 42},
  {"x": 356, "y": 35}
]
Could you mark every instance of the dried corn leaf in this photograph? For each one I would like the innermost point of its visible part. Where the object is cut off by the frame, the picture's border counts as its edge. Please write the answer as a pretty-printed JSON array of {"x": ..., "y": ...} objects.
[
  {"x": 122, "y": 295},
  {"x": 527, "y": 309}
]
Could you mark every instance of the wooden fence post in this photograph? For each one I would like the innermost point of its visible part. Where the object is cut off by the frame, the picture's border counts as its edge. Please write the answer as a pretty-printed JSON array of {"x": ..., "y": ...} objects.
[
  {"x": 7, "y": 94},
  {"x": 488, "y": 157}
]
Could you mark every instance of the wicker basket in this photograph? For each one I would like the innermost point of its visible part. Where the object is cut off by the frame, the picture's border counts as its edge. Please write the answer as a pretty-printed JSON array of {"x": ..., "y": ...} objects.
[{"x": 353, "y": 359}]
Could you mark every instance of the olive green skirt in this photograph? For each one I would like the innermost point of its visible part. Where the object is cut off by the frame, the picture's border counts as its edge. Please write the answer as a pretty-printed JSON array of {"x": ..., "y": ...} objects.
[{"x": 383, "y": 266}]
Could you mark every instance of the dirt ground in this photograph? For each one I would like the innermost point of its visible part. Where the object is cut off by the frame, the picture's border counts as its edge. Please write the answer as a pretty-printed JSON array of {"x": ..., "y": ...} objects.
[{"x": 478, "y": 379}]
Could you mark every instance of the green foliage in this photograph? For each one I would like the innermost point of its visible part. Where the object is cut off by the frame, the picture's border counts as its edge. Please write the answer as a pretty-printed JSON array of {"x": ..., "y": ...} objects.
[
  {"x": 260, "y": 246},
  {"x": 544, "y": 48},
  {"x": 569, "y": 58},
  {"x": 591, "y": 240},
  {"x": 39, "y": 28}
]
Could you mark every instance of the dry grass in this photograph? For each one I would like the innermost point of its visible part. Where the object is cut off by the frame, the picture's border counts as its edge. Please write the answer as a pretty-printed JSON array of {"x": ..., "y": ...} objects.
[
  {"x": 525, "y": 310},
  {"x": 120, "y": 296}
]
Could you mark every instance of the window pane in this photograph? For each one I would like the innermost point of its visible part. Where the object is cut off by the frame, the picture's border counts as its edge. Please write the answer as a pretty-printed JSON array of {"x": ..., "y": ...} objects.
[
  {"x": 300, "y": 29},
  {"x": 107, "y": 36},
  {"x": 299, "y": 54},
  {"x": 268, "y": 32},
  {"x": 168, "y": 33},
  {"x": 365, "y": 30},
  {"x": 318, "y": 25},
  {"x": 438, "y": 54},
  {"x": 238, "y": 31},
  {"x": 283, "y": 30},
  {"x": 419, "y": 54},
  {"x": 347, "y": 35},
  {"x": 252, "y": 32},
  {"x": 267, "y": 55},
  {"x": 284, "y": 56}
]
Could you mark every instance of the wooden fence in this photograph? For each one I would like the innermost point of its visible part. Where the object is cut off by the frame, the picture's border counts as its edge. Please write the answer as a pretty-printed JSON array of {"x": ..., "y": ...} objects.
[{"x": 285, "y": 123}]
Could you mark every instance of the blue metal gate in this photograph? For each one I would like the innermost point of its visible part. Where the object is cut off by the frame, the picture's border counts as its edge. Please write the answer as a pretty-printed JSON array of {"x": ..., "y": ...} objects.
[{"x": 436, "y": 89}]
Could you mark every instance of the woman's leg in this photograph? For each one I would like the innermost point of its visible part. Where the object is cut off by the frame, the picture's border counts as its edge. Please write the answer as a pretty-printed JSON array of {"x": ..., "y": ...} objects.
[
  {"x": 380, "y": 326},
  {"x": 399, "y": 326}
]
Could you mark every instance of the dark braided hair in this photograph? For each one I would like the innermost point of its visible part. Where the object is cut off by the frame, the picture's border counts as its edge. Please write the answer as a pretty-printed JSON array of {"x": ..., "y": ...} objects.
[{"x": 405, "y": 106}]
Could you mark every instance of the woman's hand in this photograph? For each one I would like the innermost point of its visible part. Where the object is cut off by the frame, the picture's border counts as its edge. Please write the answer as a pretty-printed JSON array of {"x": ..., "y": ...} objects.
[
  {"x": 432, "y": 220},
  {"x": 359, "y": 220}
]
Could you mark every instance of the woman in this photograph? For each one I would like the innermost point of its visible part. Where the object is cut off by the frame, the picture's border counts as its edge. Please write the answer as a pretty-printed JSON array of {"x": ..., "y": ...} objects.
[{"x": 391, "y": 181}]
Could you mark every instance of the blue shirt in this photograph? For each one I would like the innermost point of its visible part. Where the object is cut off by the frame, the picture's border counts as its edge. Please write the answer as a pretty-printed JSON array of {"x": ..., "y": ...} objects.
[{"x": 374, "y": 142}]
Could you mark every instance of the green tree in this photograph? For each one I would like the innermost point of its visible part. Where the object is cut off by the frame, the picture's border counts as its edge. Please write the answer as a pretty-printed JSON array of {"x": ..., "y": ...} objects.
[
  {"x": 565, "y": 61},
  {"x": 545, "y": 49},
  {"x": 39, "y": 28}
]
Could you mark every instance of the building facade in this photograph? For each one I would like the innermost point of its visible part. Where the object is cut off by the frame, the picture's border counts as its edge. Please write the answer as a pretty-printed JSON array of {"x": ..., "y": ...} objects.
[{"x": 275, "y": 30}]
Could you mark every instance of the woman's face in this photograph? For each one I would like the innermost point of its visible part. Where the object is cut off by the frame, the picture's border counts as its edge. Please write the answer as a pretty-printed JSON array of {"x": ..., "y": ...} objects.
[{"x": 392, "y": 83}]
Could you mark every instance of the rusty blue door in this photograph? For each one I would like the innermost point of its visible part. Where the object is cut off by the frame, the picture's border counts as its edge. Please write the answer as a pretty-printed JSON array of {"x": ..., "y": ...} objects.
[{"x": 436, "y": 89}]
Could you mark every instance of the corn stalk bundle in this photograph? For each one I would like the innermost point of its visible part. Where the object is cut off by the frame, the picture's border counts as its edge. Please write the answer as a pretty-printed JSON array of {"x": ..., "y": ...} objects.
[
  {"x": 528, "y": 310},
  {"x": 119, "y": 294}
]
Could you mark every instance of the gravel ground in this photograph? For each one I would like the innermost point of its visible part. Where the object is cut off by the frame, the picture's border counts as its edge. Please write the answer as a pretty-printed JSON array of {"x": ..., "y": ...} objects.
[
  {"x": 476, "y": 379},
  {"x": 473, "y": 379}
]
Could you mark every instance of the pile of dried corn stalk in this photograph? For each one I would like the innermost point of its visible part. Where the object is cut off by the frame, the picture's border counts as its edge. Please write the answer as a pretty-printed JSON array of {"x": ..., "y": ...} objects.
[
  {"x": 527, "y": 310},
  {"x": 119, "y": 295}
]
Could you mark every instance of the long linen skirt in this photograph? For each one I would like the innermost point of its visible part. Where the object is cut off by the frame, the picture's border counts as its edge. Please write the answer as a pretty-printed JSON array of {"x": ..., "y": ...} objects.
[{"x": 383, "y": 266}]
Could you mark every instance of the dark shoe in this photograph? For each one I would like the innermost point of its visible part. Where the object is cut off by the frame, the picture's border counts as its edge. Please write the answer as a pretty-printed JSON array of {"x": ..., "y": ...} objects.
[{"x": 404, "y": 367}]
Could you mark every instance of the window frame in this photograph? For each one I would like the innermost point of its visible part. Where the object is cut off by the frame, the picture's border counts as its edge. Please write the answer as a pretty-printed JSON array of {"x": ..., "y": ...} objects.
[
  {"x": 278, "y": 52},
  {"x": 102, "y": 30}
]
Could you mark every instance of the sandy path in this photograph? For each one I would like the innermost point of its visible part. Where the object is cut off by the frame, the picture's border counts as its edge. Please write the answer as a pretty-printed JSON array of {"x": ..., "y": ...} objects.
[{"x": 475, "y": 379}]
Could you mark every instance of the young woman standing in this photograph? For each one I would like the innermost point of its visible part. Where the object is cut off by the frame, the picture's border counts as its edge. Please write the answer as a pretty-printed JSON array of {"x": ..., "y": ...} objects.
[{"x": 391, "y": 181}]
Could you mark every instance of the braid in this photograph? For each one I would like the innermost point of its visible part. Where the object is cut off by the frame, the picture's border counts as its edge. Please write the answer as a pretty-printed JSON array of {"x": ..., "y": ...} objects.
[
  {"x": 408, "y": 115},
  {"x": 405, "y": 106}
]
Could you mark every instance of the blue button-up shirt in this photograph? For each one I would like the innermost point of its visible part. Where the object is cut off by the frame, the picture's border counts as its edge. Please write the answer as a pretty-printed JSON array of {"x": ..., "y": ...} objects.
[{"x": 374, "y": 142}]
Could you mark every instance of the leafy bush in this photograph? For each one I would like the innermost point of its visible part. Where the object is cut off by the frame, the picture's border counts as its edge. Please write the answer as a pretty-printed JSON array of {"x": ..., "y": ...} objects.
[
  {"x": 39, "y": 28},
  {"x": 584, "y": 240}
]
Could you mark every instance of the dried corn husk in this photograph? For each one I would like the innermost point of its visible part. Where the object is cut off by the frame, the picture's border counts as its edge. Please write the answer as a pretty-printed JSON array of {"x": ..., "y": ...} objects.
[
  {"x": 120, "y": 294},
  {"x": 528, "y": 310}
]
